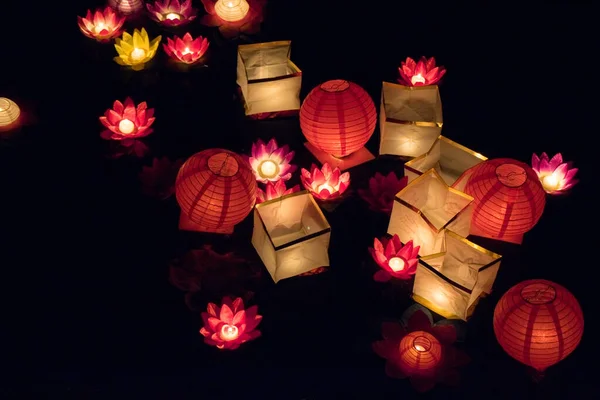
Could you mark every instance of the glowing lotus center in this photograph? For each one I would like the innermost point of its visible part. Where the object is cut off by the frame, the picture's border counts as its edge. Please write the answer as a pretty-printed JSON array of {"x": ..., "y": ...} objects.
[
  {"x": 1, "y": 109},
  {"x": 232, "y": 10},
  {"x": 421, "y": 344},
  {"x": 396, "y": 264},
  {"x": 327, "y": 186},
  {"x": 268, "y": 169},
  {"x": 229, "y": 332},
  {"x": 99, "y": 27},
  {"x": 138, "y": 54},
  {"x": 126, "y": 126},
  {"x": 173, "y": 16},
  {"x": 550, "y": 182},
  {"x": 418, "y": 78},
  {"x": 187, "y": 51}
]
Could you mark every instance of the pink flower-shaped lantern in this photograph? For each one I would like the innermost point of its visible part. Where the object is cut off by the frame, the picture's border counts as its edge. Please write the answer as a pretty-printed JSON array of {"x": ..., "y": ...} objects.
[
  {"x": 396, "y": 260},
  {"x": 422, "y": 73},
  {"x": 325, "y": 183},
  {"x": 186, "y": 50},
  {"x": 274, "y": 191},
  {"x": 270, "y": 162},
  {"x": 555, "y": 175},
  {"x": 102, "y": 26},
  {"x": 172, "y": 12},
  {"x": 126, "y": 121}
]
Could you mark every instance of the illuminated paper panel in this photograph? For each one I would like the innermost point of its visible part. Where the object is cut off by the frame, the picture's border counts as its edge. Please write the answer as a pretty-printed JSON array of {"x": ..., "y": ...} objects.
[
  {"x": 269, "y": 81},
  {"x": 291, "y": 235},
  {"x": 451, "y": 282},
  {"x": 410, "y": 119}
]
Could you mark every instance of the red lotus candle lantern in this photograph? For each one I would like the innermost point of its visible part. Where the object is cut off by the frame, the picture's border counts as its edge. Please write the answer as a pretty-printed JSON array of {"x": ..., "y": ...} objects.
[
  {"x": 127, "y": 124},
  {"x": 338, "y": 118},
  {"x": 127, "y": 7},
  {"x": 538, "y": 323},
  {"x": 422, "y": 73},
  {"x": 186, "y": 50},
  {"x": 508, "y": 199},
  {"x": 215, "y": 189},
  {"x": 102, "y": 26},
  {"x": 270, "y": 162},
  {"x": 396, "y": 260},
  {"x": 172, "y": 12},
  {"x": 556, "y": 176},
  {"x": 325, "y": 183},
  {"x": 420, "y": 354}
]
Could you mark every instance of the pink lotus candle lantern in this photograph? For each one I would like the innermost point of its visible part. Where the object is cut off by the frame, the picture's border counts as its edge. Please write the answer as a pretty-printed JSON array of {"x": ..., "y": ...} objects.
[
  {"x": 270, "y": 162},
  {"x": 396, "y": 260},
  {"x": 172, "y": 12},
  {"x": 230, "y": 325},
  {"x": 555, "y": 175},
  {"x": 422, "y": 73},
  {"x": 102, "y": 26},
  {"x": 233, "y": 17},
  {"x": 186, "y": 50},
  {"x": 127, "y": 7},
  {"x": 126, "y": 122},
  {"x": 274, "y": 191},
  {"x": 382, "y": 190},
  {"x": 325, "y": 183}
]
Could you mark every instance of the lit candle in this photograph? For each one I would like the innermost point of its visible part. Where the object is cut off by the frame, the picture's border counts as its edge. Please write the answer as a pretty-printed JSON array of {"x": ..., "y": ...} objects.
[
  {"x": 418, "y": 78},
  {"x": 229, "y": 332},
  {"x": 126, "y": 126},
  {"x": 421, "y": 344},
  {"x": 396, "y": 264},
  {"x": 100, "y": 27},
  {"x": 232, "y": 10},
  {"x": 327, "y": 186},
  {"x": 268, "y": 169},
  {"x": 550, "y": 182},
  {"x": 138, "y": 54},
  {"x": 187, "y": 51},
  {"x": 173, "y": 16}
]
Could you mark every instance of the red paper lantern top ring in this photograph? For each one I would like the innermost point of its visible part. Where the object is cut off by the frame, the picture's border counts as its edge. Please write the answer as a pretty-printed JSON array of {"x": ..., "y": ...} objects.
[
  {"x": 538, "y": 323},
  {"x": 338, "y": 117},
  {"x": 215, "y": 189},
  {"x": 420, "y": 354},
  {"x": 508, "y": 197}
]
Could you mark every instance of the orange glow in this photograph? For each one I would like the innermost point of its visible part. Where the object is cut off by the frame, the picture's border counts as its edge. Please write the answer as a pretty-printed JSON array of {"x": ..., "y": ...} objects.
[
  {"x": 550, "y": 183},
  {"x": 232, "y": 10},
  {"x": 9, "y": 112},
  {"x": 420, "y": 354},
  {"x": 138, "y": 54},
  {"x": 268, "y": 169},
  {"x": 186, "y": 50},
  {"x": 325, "y": 183}
]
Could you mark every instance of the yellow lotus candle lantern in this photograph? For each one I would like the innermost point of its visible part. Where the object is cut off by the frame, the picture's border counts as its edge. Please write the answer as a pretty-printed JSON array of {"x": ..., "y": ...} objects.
[
  {"x": 451, "y": 282},
  {"x": 410, "y": 119},
  {"x": 9, "y": 112},
  {"x": 291, "y": 235},
  {"x": 136, "y": 50},
  {"x": 450, "y": 159},
  {"x": 269, "y": 81},
  {"x": 232, "y": 10},
  {"x": 427, "y": 206}
]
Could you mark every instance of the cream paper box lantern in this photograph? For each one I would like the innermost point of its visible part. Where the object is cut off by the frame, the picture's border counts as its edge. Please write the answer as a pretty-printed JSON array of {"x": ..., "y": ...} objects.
[
  {"x": 448, "y": 158},
  {"x": 427, "y": 206},
  {"x": 269, "y": 81},
  {"x": 451, "y": 282},
  {"x": 410, "y": 119},
  {"x": 291, "y": 235}
]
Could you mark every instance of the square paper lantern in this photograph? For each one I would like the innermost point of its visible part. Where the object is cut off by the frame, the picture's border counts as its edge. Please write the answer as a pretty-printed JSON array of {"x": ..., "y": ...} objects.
[
  {"x": 269, "y": 81},
  {"x": 447, "y": 157},
  {"x": 450, "y": 283},
  {"x": 291, "y": 235},
  {"x": 410, "y": 119},
  {"x": 427, "y": 206}
]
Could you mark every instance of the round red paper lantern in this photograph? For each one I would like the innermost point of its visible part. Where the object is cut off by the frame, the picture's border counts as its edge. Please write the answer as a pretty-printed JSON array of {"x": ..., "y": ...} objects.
[
  {"x": 215, "y": 189},
  {"x": 421, "y": 354},
  {"x": 538, "y": 323},
  {"x": 338, "y": 117},
  {"x": 508, "y": 197}
]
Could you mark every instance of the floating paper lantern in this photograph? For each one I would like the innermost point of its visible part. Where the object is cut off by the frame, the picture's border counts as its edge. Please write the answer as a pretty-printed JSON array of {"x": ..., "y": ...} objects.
[
  {"x": 325, "y": 183},
  {"x": 337, "y": 118},
  {"x": 232, "y": 10},
  {"x": 508, "y": 199},
  {"x": 291, "y": 235},
  {"x": 556, "y": 176},
  {"x": 186, "y": 50},
  {"x": 269, "y": 81},
  {"x": 451, "y": 283},
  {"x": 215, "y": 189},
  {"x": 102, "y": 26},
  {"x": 127, "y": 7},
  {"x": 422, "y": 73},
  {"x": 447, "y": 157},
  {"x": 538, "y": 323},
  {"x": 136, "y": 50},
  {"x": 410, "y": 119},
  {"x": 421, "y": 354},
  {"x": 271, "y": 162},
  {"x": 427, "y": 206},
  {"x": 172, "y": 12},
  {"x": 9, "y": 112}
]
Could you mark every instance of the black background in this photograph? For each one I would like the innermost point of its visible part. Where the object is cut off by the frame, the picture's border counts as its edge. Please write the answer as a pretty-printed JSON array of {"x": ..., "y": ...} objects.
[{"x": 88, "y": 309}]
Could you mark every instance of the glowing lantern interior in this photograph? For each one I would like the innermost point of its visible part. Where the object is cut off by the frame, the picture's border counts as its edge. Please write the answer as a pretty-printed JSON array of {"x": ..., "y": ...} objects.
[
  {"x": 232, "y": 10},
  {"x": 421, "y": 354},
  {"x": 9, "y": 112}
]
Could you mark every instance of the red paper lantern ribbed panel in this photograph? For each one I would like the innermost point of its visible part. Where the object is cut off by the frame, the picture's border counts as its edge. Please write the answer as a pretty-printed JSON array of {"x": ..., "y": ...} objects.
[
  {"x": 538, "y": 323},
  {"x": 508, "y": 199},
  {"x": 420, "y": 354},
  {"x": 216, "y": 189},
  {"x": 338, "y": 117}
]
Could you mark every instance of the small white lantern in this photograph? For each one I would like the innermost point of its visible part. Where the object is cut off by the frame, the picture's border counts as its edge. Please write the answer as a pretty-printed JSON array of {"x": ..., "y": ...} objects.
[
  {"x": 447, "y": 157},
  {"x": 269, "y": 81},
  {"x": 9, "y": 112},
  {"x": 291, "y": 235},
  {"x": 451, "y": 283},
  {"x": 427, "y": 206},
  {"x": 410, "y": 119}
]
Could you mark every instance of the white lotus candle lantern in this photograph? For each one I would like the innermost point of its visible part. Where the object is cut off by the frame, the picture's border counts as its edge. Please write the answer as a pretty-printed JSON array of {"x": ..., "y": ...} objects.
[
  {"x": 448, "y": 158},
  {"x": 291, "y": 235},
  {"x": 232, "y": 10},
  {"x": 427, "y": 206},
  {"x": 269, "y": 81},
  {"x": 451, "y": 282},
  {"x": 410, "y": 119}
]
